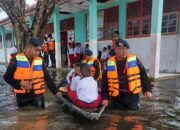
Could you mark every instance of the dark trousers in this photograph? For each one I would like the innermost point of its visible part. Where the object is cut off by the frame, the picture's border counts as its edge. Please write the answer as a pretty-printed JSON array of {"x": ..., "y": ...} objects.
[
  {"x": 46, "y": 59},
  {"x": 126, "y": 101},
  {"x": 52, "y": 57},
  {"x": 30, "y": 99}
]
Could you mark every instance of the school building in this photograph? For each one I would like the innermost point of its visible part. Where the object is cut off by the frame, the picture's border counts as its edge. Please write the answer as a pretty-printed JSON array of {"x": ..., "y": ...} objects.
[{"x": 151, "y": 27}]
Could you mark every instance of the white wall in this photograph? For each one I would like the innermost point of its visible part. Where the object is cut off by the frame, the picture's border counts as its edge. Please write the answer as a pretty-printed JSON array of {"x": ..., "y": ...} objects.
[
  {"x": 169, "y": 57},
  {"x": 141, "y": 47},
  {"x": 178, "y": 56},
  {"x": 9, "y": 50}
]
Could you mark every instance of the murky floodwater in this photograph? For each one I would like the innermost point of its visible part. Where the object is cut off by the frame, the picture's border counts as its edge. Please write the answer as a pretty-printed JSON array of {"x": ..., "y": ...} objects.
[{"x": 162, "y": 112}]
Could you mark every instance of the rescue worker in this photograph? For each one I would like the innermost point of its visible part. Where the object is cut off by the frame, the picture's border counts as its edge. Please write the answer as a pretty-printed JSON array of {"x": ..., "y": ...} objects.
[
  {"x": 94, "y": 65},
  {"x": 124, "y": 78},
  {"x": 51, "y": 50},
  {"x": 27, "y": 74},
  {"x": 45, "y": 51}
]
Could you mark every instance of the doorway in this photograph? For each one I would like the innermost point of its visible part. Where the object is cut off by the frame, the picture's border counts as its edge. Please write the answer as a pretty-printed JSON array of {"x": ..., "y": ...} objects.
[{"x": 64, "y": 48}]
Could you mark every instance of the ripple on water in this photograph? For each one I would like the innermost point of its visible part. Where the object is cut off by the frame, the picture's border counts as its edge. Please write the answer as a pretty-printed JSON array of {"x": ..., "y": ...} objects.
[{"x": 158, "y": 113}]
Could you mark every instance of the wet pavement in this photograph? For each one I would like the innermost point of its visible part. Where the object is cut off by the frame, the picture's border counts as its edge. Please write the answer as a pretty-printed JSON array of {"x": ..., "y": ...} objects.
[{"x": 162, "y": 112}]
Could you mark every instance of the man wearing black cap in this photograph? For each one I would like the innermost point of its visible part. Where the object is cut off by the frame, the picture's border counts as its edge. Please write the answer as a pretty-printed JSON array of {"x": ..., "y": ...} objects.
[
  {"x": 27, "y": 74},
  {"x": 124, "y": 78},
  {"x": 94, "y": 65}
]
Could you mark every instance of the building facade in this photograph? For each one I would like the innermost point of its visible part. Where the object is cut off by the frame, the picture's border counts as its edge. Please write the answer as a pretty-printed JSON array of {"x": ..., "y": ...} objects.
[{"x": 152, "y": 28}]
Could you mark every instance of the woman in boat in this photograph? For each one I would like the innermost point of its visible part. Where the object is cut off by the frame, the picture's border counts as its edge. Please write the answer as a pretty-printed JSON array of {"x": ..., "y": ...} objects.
[{"x": 86, "y": 93}]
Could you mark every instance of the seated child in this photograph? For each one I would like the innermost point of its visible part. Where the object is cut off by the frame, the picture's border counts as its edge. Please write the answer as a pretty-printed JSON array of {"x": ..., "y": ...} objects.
[
  {"x": 76, "y": 77},
  {"x": 86, "y": 93},
  {"x": 72, "y": 78}
]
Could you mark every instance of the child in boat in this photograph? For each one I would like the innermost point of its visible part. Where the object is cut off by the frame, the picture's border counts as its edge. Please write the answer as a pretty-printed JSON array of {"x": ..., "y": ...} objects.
[
  {"x": 86, "y": 93},
  {"x": 72, "y": 78}
]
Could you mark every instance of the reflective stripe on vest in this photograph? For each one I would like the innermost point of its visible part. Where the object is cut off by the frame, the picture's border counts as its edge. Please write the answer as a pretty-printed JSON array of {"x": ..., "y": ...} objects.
[
  {"x": 32, "y": 73},
  {"x": 134, "y": 83},
  {"x": 93, "y": 70}
]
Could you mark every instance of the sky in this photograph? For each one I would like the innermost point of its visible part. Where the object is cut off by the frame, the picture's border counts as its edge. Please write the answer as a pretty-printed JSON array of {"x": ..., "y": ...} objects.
[{"x": 3, "y": 14}]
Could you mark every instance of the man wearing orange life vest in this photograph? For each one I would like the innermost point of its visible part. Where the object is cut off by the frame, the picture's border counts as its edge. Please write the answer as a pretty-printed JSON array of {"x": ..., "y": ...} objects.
[
  {"x": 45, "y": 52},
  {"x": 51, "y": 50},
  {"x": 27, "y": 74},
  {"x": 124, "y": 78},
  {"x": 94, "y": 65}
]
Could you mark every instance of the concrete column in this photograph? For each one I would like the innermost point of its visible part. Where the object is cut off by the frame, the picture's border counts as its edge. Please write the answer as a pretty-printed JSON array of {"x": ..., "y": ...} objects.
[
  {"x": 122, "y": 18},
  {"x": 178, "y": 49},
  {"x": 57, "y": 37},
  {"x": 31, "y": 18},
  {"x": 93, "y": 26},
  {"x": 12, "y": 39},
  {"x": 4, "y": 44},
  {"x": 156, "y": 25},
  {"x": 80, "y": 27}
]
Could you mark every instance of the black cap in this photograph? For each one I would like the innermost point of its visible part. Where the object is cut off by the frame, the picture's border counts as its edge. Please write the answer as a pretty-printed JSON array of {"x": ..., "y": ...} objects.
[
  {"x": 88, "y": 52},
  {"x": 35, "y": 42},
  {"x": 123, "y": 43},
  {"x": 117, "y": 32}
]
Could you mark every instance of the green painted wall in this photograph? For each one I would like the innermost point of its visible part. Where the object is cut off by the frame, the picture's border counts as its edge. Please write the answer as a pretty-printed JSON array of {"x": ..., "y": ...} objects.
[
  {"x": 2, "y": 31},
  {"x": 31, "y": 18},
  {"x": 80, "y": 27},
  {"x": 56, "y": 25},
  {"x": 93, "y": 19},
  {"x": 156, "y": 18},
  {"x": 122, "y": 18},
  {"x": 13, "y": 39}
]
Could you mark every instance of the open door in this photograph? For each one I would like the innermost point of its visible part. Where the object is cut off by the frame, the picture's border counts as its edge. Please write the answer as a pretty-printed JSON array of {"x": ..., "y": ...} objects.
[{"x": 64, "y": 48}]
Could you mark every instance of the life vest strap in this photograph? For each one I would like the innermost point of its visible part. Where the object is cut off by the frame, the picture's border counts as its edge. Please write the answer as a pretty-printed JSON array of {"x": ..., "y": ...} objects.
[{"x": 136, "y": 88}]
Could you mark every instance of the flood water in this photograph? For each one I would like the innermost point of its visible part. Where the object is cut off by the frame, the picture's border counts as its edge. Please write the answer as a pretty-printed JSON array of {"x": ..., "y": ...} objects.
[{"x": 162, "y": 112}]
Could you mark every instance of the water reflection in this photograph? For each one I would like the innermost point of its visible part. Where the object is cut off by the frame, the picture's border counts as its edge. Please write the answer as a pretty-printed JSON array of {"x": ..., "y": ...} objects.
[
  {"x": 162, "y": 112},
  {"x": 37, "y": 122},
  {"x": 117, "y": 122}
]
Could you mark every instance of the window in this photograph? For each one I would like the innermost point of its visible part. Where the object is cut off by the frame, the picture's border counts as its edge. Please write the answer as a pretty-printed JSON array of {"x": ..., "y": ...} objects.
[
  {"x": 169, "y": 23},
  {"x": 100, "y": 22},
  {"x": 8, "y": 40},
  {"x": 138, "y": 21},
  {"x": 139, "y": 17},
  {"x": 111, "y": 18},
  {"x": 146, "y": 26},
  {"x": 133, "y": 27}
]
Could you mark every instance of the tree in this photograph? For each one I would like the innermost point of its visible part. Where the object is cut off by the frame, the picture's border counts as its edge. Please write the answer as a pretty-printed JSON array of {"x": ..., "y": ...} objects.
[{"x": 16, "y": 9}]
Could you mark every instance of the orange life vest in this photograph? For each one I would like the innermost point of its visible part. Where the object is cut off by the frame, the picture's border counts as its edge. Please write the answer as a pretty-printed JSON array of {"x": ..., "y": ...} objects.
[
  {"x": 134, "y": 82},
  {"x": 33, "y": 73},
  {"x": 93, "y": 70},
  {"x": 45, "y": 47},
  {"x": 51, "y": 45}
]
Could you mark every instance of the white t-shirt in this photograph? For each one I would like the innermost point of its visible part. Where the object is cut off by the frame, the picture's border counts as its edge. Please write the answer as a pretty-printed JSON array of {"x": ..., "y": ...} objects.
[
  {"x": 79, "y": 50},
  {"x": 75, "y": 80},
  {"x": 87, "y": 90},
  {"x": 70, "y": 74},
  {"x": 71, "y": 51},
  {"x": 76, "y": 50},
  {"x": 104, "y": 55}
]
